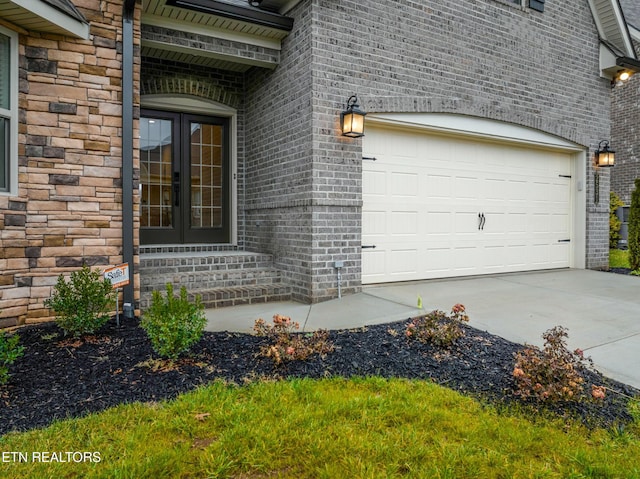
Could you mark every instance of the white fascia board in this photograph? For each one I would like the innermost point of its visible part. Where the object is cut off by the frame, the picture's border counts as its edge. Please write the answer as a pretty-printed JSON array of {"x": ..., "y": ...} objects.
[
  {"x": 172, "y": 24},
  {"x": 635, "y": 33},
  {"x": 481, "y": 128},
  {"x": 73, "y": 27}
]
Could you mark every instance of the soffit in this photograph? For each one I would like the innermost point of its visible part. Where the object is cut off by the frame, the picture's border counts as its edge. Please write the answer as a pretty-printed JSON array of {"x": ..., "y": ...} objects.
[
  {"x": 250, "y": 30},
  {"x": 612, "y": 27},
  {"x": 50, "y": 16}
]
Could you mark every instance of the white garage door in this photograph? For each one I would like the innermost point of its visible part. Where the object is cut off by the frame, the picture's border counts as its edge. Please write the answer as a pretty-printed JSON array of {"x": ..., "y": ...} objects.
[{"x": 438, "y": 206}]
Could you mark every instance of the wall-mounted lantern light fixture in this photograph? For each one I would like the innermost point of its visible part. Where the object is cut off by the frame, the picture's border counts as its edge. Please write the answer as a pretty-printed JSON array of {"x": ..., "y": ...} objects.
[
  {"x": 605, "y": 157},
  {"x": 352, "y": 119}
]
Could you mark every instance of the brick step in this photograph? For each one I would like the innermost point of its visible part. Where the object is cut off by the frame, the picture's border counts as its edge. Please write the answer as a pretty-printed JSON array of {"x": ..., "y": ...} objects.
[
  {"x": 234, "y": 295},
  {"x": 193, "y": 280},
  {"x": 202, "y": 261},
  {"x": 221, "y": 278}
]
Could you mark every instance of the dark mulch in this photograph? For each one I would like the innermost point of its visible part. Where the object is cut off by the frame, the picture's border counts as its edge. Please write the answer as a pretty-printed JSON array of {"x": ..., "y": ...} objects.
[
  {"x": 57, "y": 378},
  {"x": 620, "y": 270}
]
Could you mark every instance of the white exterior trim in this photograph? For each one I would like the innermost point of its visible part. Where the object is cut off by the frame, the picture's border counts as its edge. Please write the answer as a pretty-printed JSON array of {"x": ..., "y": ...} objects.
[
  {"x": 611, "y": 25},
  {"x": 54, "y": 16},
  {"x": 214, "y": 32},
  {"x": 12, "y": 114},
  {"x": 192, "y": 104},
  {"x": 475, "y": 126}
]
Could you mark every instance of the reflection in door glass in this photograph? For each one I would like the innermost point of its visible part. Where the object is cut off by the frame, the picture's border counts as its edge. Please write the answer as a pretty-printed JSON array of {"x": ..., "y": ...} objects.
[
  {"x": 156, "y": 151},
  {"x": 206, "y": 175}
]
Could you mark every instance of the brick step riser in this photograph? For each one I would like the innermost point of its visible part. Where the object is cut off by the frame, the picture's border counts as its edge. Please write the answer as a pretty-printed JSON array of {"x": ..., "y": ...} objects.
[
  {"x": 196, "y": 249},
  {"x": 221, "y": 280},
  {"x": 224, "y": 297},
  {"x": 203, "y": 264},
  {"x": 193, "y": 281}
]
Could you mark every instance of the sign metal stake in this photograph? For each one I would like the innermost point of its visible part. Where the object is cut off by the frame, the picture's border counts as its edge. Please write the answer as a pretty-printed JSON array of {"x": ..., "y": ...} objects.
[{"x": 118, "y": 276}]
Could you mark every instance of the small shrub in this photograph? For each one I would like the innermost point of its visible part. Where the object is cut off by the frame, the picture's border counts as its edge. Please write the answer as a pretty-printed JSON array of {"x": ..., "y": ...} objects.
[
  {"x": 82, "y": 303},
  {"x": 634, "y": 227},
  {"x": 614, "y": 222},
  {"x": 286, "y": 344},
  {"x": 439, "y": 328},
  {"x": 9, "y": 352},
  {"x": 553, "y": 373},
  {"x": 173, "y": 324}
]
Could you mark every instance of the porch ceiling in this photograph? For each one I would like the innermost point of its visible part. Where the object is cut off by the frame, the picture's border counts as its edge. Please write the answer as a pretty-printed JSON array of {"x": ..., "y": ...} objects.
[{"x": 214, "y": 33}]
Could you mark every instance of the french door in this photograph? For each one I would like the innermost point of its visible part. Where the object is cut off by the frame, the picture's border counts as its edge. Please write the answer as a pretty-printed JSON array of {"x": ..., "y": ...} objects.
[{"x": 184, "y": 178}]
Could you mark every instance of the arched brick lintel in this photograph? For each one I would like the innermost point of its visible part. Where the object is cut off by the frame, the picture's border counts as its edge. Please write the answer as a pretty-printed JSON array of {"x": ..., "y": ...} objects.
[{"x": 197, "y": 87}]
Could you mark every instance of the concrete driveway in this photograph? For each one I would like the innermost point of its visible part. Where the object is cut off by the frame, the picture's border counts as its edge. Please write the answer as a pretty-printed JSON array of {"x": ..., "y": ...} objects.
[{"x": 600, "y": 310}]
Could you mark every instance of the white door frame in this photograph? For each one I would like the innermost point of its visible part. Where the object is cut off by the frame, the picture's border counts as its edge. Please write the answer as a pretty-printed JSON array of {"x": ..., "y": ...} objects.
[{"x": 193, "y": 104}]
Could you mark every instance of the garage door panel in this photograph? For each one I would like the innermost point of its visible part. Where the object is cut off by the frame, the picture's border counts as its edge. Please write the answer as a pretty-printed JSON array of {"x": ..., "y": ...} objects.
[
  {"x": 423, "y": 197},
  {"x": 558, "y": 254},
  {"x": 374, "y": 183},
  {"x": 404, "y": 223},
  {"x": 438, "y": 261},
  {"x": 466, "y": 187},
  {"x": 374, "y": 266},
  {"x": 438, "y": 186},
  {"x": 404, "y": 184},
  {"x": 466, "y": 222},
  {"x": 517, "y": 223},
  {"x": 374, "y": 223},
  {"x": 438, "y": 223},
  {"x": 403, "y": 261}
]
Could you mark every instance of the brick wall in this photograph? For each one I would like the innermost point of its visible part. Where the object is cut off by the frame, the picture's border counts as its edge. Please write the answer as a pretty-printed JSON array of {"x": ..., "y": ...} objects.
[
  {"x": 279, "y": 154},
  {"x": 69, "y": 205},
  {"x": 486, "y": 58},
  {"x": 224, "y": 87},
  {"x": 625, "y": 135}
]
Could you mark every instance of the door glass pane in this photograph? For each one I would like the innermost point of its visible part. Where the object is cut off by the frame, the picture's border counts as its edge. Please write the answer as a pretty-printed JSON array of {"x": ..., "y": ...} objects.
[
  {"x": 206, "y": 175},
  {"x": 156, "y": 159},
  {"x": 5, "y": 72}
]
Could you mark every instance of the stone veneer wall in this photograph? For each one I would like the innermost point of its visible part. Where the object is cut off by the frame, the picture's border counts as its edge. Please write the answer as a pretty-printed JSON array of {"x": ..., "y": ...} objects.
[
  {"x": 625, "y": 135},
  {"x": 68, "y": 210},
  {"x": 488, "y": 58}
]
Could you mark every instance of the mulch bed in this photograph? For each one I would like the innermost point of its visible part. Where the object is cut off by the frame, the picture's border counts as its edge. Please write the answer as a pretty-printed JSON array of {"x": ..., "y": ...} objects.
[{"x": 58, "y": 378}]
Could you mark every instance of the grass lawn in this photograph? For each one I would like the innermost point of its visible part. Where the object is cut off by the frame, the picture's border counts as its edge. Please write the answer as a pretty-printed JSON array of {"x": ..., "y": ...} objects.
[
  {"x": 618, "y": 258},
  {"x": 332, "y": 428}
]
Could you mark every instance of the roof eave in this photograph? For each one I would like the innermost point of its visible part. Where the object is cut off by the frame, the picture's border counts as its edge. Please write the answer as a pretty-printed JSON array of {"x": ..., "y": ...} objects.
[
  {"x": 615, "y": 33},
  {"x": 234, "y": 12},
  {"x": 60, "y": 21}
]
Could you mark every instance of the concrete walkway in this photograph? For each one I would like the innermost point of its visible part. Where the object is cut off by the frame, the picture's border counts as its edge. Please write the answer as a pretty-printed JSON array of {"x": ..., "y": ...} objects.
[{"x": 600, "y": 310}]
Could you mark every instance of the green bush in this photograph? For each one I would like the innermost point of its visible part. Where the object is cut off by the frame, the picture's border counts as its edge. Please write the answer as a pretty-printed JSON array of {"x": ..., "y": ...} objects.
[
  {"x": 81, "y": 304},
  {"x": 634, "y": 227},
  {"x": 614, "y": 222},
  {"x": 173, "y": 324},
  {"x": 9, "y": 352}
]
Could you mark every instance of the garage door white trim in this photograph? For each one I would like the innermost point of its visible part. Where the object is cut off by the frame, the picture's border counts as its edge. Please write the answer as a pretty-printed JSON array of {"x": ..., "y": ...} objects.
[{"x": 490, "y": 136}]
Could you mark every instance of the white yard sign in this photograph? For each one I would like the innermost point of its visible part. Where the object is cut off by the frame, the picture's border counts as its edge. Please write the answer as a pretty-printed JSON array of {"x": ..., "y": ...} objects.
[{"x": 118, "y": 275}]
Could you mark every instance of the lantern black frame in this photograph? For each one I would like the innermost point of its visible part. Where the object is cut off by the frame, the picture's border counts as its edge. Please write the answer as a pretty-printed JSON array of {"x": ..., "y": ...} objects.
[
  {"x": 605, "y": 156},
  {"x": 353, "y": 112}
]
